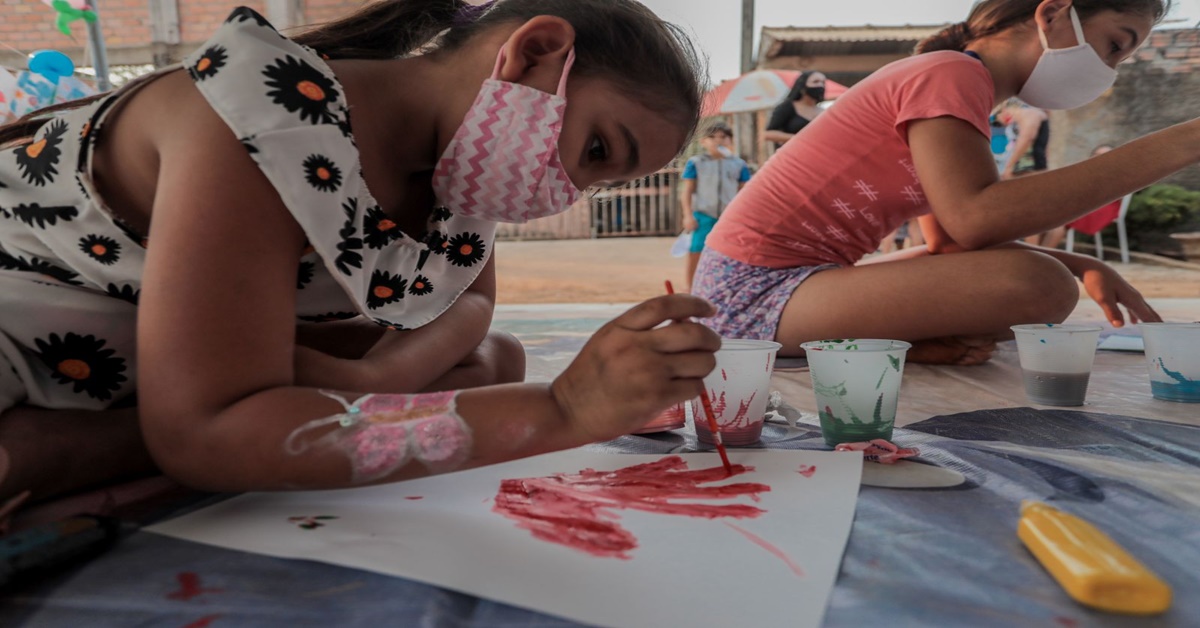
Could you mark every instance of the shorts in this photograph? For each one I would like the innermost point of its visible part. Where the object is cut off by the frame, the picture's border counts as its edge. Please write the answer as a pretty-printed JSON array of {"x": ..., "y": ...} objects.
[
  {"x": 749, "y": 299},
  {"x": 64, "y": 346},
  {"x": 700, "y": 235}
]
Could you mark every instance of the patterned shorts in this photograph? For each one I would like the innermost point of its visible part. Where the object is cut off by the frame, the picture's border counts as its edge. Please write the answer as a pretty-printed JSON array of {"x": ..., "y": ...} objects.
[{"x": 749, "y": 299}]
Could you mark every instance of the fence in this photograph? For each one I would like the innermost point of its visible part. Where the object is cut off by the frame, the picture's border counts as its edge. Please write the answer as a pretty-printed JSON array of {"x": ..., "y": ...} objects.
[{"x": 646, "y": 207}]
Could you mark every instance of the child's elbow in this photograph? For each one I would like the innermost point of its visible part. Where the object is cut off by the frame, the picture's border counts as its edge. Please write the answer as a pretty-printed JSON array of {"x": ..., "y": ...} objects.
[{"x": 183, "y": 447}]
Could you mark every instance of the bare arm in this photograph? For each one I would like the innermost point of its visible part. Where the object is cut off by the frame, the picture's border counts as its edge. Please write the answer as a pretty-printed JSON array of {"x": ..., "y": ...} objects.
[
  {"x": 217, "y": 385},
  {"x": 779, "y": 137},
  {"x": 689, "y": 190},
  {"x": 1030, "y": 123},
  {"x": 956, "y": 169}
]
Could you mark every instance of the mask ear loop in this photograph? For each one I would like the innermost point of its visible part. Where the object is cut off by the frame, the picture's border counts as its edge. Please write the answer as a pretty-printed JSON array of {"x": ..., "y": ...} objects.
[
  {"x": 562, "y": 82},
  {"x": 1079, "y": 40},
  {"x": 1078, "y": 27}
]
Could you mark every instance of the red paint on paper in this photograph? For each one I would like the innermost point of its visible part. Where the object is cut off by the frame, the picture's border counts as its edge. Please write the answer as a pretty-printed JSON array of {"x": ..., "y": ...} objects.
[
  {"x": 189, "y": 587},
  {"x": 578, "y": 510},
  {"x": 724, "y": 376},
  {"x": 415, "y": 497},
  {"x": 203, "y": 622},
  {"x": 807, "y": 470},
  {"x": 767, "y": 545}
]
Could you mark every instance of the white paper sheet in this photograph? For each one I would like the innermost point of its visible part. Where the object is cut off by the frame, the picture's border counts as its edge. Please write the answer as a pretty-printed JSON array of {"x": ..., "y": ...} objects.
[
  {"x": 1117, "y": 342},
  {"x": 685, "y": 571}
]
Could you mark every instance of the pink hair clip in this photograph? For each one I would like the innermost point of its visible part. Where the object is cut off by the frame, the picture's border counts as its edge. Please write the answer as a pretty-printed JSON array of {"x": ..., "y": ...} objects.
[{"x": 879, "y": 450}]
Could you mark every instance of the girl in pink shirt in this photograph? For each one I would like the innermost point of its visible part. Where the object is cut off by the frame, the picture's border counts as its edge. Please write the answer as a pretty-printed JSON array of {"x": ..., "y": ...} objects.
[{"x": 912, "y": 140}]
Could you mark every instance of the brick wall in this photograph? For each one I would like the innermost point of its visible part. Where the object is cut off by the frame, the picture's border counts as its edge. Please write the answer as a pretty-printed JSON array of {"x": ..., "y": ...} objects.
[
  {"x": 1158, "y": 87},
  {"x": 28, "y": 25}
]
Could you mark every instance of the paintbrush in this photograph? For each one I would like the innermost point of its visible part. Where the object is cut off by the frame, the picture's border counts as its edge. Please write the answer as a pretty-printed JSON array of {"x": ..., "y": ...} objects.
[{"x": 708, "y": 412}]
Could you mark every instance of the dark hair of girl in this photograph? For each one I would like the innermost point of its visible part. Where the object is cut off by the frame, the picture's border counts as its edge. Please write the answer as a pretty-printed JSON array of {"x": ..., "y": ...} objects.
[
  {"x": 993, "y": 16},
  {"x": 620, "y": 41},
  {"x": 798, "y": 87}
]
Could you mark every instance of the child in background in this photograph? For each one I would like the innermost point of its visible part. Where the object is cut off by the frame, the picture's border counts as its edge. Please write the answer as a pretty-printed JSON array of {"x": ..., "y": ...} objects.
[
  {"x": 913, "y": 140},
  {"x": 710, "y": 181},
  {"x": 285, "y": 249}
]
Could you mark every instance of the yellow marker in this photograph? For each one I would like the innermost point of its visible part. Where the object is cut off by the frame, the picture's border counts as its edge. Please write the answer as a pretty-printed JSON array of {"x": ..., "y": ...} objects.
[{"x": 1093, "y": 569}]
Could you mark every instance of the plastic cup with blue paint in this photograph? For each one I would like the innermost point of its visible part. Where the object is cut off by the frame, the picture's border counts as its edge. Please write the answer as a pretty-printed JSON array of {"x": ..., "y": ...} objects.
[
  {"x": 857, "y": 386},
  {"x": 1056, "y": 361},
  {"x": 1173, "y": 356}
]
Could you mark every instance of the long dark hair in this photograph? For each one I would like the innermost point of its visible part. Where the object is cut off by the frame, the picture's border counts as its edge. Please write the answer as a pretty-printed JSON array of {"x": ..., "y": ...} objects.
[
  {"x": 798, "y": 87},
  {"x": 618, "y": 40},
  {"x": 993, "y": 16}
]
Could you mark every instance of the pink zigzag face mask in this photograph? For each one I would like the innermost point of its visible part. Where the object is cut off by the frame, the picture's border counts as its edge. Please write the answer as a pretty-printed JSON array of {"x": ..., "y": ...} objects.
[{"x": 503, "y": 163}]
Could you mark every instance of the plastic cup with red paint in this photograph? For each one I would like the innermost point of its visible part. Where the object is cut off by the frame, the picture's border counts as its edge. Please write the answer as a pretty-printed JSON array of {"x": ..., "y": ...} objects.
[
  {"x": 857, "y": 386},
  {"x": 738, "y": 389}
]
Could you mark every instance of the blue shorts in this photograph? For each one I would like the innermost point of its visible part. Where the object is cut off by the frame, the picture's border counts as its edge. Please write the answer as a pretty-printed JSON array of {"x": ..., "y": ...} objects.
[{"x": 700, "y": 235}]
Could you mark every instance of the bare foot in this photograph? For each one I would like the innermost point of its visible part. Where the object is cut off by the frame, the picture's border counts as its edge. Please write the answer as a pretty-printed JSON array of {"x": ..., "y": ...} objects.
[{"x": 954, "y": 350}]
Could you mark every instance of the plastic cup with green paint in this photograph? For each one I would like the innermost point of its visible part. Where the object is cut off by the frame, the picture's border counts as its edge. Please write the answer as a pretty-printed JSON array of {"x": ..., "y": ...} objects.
[{"x": 857, "y": 386}]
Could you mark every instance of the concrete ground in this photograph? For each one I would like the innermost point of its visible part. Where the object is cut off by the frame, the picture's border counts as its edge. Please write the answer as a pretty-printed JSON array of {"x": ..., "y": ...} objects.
[{"x": 627, "y": 270}]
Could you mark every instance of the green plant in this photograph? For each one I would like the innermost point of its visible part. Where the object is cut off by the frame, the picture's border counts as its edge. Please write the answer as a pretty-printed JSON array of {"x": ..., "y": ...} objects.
[
  {"x": 1162, "y": 208},
  {"x": 1156, "y": 211}
]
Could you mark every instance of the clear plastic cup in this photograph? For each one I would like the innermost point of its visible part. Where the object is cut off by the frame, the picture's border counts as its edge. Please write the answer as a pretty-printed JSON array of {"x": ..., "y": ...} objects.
[
  {"x": 672, "y": 418},
  {"x": 857, "y": 386},
  {"x": 1056, "y": 361},
  {"x": 738, "y": 388},
  {"x": 1173, "y": 355}
]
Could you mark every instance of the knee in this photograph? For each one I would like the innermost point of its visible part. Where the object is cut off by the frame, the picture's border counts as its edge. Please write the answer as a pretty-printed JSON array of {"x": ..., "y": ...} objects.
[
  {"x": 1042, "y": 289},
  {"x": 506, "y": 357}
]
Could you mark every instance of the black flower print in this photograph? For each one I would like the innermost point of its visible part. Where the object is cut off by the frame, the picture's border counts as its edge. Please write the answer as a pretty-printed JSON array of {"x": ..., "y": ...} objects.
[
  {"x": 248, "y": 144},
  {"x": 389, "y": 324},
  {"x": 133, "y": 235},
  {"x": 84, "y": 362},
  {"x": 35, "y": 265},
  {"x": 349, "y": 247},
  {"x": 343, "y": 125},
  {"x": 305, "y": 275},
  {"x": 379, "y": 230},
  {"x": 329, "y": 317},
  {"x": 4, "y": 213},
  {"x": 465, "y": 249},
  {"x": 301, "y": 88},
  {"x": 441, "y": 214},
  {"x": 43, "y": 216},
  {"x": 209, "y": 63},
  {"x": 38, "y": 159},
  {"x": 243, "y": 14},
  {"x": 124, "y": 293},
  {"x": 436, "y": 242},
  {"x": 104, "y": 250},
  {"x": 420, "y": 286},
  {"x": 385, "y": 288},
  {"x": 322, "y": 174}
]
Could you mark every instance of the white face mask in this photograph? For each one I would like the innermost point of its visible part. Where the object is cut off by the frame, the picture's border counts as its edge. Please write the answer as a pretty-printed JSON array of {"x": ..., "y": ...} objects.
[{"x": 1066, "y": 78}]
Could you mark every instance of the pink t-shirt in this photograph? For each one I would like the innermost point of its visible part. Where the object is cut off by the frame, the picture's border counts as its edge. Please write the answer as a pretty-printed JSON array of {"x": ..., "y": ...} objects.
[{"x": 837, "y": 189}]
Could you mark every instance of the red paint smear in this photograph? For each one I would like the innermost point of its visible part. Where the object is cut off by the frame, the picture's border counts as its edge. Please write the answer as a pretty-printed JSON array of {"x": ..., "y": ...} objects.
[
  {"x": 724, "y": 376},
  {"x": 763, "y": 543},
  {"x": 415, "y": 497},
  {"x": 718, "y": 403},
  {"x": 189, "y": 587},
  {"x": 578, "y": 510},
  {"x": 1066, "y": 621},
  {"x": 740, "y": 419},
  {"x": 807, "y": 470},
  {"x": 203, "y": 622}
]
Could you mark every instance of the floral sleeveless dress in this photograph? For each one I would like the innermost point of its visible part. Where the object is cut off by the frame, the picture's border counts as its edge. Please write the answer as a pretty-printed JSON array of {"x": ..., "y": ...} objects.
[{"x": 70, "y": 272}]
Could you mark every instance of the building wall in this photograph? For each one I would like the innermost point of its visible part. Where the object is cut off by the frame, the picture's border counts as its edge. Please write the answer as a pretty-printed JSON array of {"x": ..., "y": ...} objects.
[
  {"x": 1159, "y": 87},
  {"x": 28, "y": 25}
]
